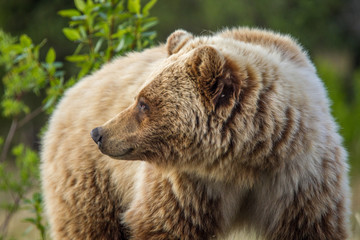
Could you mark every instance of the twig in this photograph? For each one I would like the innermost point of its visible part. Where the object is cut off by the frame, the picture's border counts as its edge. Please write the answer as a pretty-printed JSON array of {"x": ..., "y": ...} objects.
[
  {"x": 4, "y": 225},
  {"x": 8, "y": 140},
  {"x": 30, "y": 116},
  {"x": 15, "y": 124}
]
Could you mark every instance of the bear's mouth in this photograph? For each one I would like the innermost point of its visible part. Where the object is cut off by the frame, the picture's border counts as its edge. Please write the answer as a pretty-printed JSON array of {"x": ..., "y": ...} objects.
[
  {"x": 124, "y": 153},
  {"x": 127, "y": 151}
]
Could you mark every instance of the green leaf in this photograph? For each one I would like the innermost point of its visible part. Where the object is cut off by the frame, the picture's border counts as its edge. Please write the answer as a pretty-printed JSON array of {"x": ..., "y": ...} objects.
[
  {"x": 149, "y": 25},
  {"x": 119, "y": 7},
  {"x": 50, "y": 56},
  {"x": 71, "y": 34},
  {"x": 134, "y": 6},
  {"x": 50, "y": 102},
  {"x": 58, "y": 64},
  {"x": 98, "y": 45},
  {"x": 20, "y": 57},
  {"x": 37, "y": 197},
  {"x": 80, "y": 4},
  {"x": 31, "y": 220},
  {"x": 69, "y": 13},
  {"x": 129, "y": 39},
  {"x": 70, "y": 82},
  {"x": 120, "y": 45},
  {"x": 18, "y": 150},
  {"x": 25, "y": 41},
  {"x": 147, "y": 7},
  {"x": 82, "y": 31},
  {"x": 77, "y": 58},
  {"x": 78, "y": 19},
  {"x": 28, "y": 229},
  {"x": 148, "y": 34},
  {"x": 119, "y": 33}
]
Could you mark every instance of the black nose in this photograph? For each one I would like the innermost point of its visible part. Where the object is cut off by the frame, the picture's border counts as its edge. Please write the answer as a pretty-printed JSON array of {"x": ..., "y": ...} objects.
[{"x": 96, "y": 135}]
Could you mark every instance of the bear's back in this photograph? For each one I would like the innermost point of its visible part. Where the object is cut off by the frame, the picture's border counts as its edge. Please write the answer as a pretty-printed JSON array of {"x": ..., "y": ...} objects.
[{"x": 288, "y": 48}]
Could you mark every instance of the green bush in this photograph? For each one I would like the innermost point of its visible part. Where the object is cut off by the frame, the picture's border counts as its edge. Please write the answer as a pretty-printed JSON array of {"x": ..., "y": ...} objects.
[{"x": 102, "y": 29}]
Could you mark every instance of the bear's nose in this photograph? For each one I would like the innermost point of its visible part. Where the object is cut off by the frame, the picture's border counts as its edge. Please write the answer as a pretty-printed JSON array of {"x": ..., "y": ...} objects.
[{"x": 96, "y": 135}]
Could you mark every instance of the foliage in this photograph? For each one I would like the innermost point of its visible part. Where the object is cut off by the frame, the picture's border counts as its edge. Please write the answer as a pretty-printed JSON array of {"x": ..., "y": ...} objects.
[
  {"x": 35, "y": 206},
  {"x": 102, "y": 30}
]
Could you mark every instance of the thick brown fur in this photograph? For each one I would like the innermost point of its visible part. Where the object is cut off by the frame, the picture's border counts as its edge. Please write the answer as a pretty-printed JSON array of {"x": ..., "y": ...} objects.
[{"x": 233, "y": 132}]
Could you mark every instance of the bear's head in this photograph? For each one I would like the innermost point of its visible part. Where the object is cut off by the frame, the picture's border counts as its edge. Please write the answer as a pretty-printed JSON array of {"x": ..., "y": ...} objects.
[{"x": 181, "y": 117}]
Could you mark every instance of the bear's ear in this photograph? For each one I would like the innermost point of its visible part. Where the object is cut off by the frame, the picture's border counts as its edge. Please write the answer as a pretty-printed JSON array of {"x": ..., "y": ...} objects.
[
  {"x": 177, "y": 40},
  {"x": 215, "y": 77}
]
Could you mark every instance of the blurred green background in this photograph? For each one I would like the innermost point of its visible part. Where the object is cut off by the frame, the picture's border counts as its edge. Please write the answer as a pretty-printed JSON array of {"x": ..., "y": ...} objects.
[{"x": 328, "y": 29}]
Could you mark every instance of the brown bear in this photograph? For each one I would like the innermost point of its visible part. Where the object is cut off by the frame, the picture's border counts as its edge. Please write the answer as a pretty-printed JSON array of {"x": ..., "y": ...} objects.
[{"x": 202, "y": 138}]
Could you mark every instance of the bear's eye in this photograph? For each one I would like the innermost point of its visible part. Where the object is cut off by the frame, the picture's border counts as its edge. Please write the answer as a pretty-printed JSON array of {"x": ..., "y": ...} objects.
[{"x": 143, "y": 107}]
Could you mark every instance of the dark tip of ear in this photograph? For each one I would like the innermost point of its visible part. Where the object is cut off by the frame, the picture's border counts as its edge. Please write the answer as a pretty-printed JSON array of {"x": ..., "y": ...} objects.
[{"x": 177, "y": 40}]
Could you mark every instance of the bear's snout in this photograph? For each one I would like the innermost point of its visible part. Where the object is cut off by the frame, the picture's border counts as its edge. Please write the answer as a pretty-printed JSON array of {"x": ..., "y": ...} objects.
[{"x": 96, "y": 135}]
